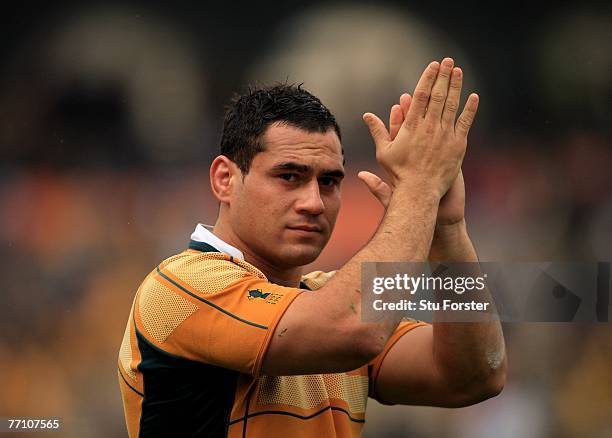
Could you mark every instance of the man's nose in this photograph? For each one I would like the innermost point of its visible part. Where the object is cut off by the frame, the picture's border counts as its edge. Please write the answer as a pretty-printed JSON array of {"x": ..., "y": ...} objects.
[{"x": 310, "y": 201}]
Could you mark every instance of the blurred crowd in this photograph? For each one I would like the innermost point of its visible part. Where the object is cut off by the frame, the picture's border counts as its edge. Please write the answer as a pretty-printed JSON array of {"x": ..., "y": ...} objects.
[{"x": 109, "y": 117}]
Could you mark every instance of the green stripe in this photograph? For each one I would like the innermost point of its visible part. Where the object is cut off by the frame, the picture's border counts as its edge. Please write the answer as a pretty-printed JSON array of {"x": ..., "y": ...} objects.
[
  {"x": 130, "y": 386},
  {"x": 202, "y": 246},
  {"x": 209, "y": 303},
  {"x": 301, "y": 417}
]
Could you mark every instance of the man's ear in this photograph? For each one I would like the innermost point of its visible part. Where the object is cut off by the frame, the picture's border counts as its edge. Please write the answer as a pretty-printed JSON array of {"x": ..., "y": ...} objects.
[{"x": 223, "y": 177}]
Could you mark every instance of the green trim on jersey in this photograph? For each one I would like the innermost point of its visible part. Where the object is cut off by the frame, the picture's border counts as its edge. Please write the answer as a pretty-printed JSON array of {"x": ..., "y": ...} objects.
[{"x": 202, "y": 246}]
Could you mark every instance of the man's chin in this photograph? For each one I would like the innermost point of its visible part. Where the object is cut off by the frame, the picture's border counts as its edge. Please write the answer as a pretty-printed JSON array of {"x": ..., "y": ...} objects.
[{"x": 301, "y": 255}]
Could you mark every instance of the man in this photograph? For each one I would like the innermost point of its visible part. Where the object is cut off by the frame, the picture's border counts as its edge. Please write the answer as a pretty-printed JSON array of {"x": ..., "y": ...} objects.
[{"x": 229, "y": 339}]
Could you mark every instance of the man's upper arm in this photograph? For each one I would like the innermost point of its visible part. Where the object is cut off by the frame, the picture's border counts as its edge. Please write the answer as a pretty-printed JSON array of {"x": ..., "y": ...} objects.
[
  {"x": 208, "y": 309},
  {"x": 406, "y": 372}
]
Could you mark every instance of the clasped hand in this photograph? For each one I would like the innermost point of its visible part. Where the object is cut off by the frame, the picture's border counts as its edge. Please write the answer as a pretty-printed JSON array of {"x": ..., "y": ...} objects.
[{"x": 425, "y": 143}]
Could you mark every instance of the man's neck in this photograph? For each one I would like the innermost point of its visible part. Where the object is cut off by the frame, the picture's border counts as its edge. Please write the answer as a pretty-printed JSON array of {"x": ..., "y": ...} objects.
[{"x": 285, "y": 277}]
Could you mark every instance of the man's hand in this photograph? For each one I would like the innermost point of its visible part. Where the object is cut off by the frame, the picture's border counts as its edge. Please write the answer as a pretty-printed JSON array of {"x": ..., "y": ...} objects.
[
  {"x": 452, "y": 205},
  {"x": 427, "y": 146}
]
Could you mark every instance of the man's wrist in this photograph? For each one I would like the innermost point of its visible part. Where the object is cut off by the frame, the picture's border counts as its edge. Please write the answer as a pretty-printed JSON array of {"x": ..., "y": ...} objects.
[
  {"x": 451, "y": 242},
  {"x": 450, "y": 232},
  {"x": 418, "y": 189}
]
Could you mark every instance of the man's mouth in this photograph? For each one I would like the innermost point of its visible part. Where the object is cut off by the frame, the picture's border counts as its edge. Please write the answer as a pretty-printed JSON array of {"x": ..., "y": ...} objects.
[{"x": 308, "y": 228}]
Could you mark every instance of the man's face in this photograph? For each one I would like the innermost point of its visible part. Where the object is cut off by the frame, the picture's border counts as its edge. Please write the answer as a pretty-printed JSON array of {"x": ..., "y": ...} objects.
[{"x": 285, "y": 208}]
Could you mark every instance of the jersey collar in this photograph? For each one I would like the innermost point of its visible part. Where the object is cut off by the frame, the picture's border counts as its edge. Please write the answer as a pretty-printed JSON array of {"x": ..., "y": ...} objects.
[{"x": 203, "y": 235}]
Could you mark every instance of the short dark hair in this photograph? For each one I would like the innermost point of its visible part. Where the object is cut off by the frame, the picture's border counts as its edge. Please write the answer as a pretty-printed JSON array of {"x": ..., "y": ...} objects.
[{"x": 248, "y": 115}]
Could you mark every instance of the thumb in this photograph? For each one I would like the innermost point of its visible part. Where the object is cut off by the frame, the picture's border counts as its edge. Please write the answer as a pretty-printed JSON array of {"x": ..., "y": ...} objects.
[
  {"x": 377, "y": 128},
  {"x": 380, "y": 189}
]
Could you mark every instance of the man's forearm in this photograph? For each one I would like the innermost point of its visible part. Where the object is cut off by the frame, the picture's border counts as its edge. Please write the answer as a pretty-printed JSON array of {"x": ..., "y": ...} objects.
[
  {"x": 411, "y": 213},
  {"x": 466, "y": 351}
]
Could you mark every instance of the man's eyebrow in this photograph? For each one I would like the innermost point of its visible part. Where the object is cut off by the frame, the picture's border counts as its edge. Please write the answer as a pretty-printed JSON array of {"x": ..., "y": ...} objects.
[{"x": 303, "y": 168}]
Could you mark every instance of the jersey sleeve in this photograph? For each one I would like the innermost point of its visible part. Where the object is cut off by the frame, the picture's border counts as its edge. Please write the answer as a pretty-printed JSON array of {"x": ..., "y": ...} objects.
[
  {"x": 317, "y": 279},
  {"x": 374, "y": 366},
  {"x": 210, "y": 309}
]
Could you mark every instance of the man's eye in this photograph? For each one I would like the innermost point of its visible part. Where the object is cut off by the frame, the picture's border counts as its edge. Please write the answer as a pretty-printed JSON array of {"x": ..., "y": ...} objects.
[
  {"x": 328, "y": 182},
  {"x": 291, "y": 177}
]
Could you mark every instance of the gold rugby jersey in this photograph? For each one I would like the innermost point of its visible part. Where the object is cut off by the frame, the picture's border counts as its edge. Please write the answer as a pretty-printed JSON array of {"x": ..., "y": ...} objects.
[{"x": 190, "y": 360}]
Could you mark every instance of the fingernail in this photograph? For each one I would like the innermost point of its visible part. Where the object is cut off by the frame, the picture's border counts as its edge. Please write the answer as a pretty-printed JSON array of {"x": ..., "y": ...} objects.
[{"x": 434, "y": 65}]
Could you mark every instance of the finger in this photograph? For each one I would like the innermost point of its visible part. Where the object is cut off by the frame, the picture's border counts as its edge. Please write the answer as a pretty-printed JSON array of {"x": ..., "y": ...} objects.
[
  {"x": 405, "y": 100},
  {"x": 466, "y": 119},
  {"x": 381, "y": 190},
  {"x": 439, "y": 91},
  {"x": 396, "y": 118},
  {"x": 377, "y": 129},
  {"x": 422, "y": 92},
  {"x": 452, "y": 101}
]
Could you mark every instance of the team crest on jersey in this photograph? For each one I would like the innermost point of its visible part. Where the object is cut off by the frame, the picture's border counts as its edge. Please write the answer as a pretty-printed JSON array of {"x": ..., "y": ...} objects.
[
  {"x": 257, "y": 293},
  {"x": 267, "y": 297}
]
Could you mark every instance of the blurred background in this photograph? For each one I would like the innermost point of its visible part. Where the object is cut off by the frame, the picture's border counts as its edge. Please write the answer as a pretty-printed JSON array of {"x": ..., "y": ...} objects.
[{"x": 111, "y": 113}]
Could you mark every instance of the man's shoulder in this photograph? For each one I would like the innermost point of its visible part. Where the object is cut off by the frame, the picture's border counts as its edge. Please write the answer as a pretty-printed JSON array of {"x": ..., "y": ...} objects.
[
  {"x": 197, "y": 260},
  {"x": 207, "y": 272}
]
